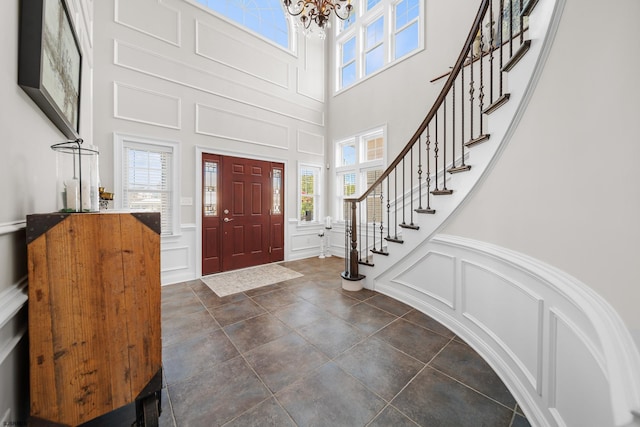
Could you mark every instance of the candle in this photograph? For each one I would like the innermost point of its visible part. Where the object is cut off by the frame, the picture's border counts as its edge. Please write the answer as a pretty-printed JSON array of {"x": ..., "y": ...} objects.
[
  {"x": 72, "y": 196},
  {"x": 86, "y": 195}
]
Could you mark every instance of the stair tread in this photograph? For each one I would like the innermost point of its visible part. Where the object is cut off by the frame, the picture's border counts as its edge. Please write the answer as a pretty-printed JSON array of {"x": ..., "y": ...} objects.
[
  {"x": 522, "y": 50},
  {"x": 410, "y": 226},
  {"x": 497, "y": 104},
  {"x": 380, "y": 252},
  {"x": 426, "y": 211},
  {"x": 443, "y": 192},
  {"x": 457, "y": 169},
  {"x": 394, "y": 240},
  {"x": 477, "y": 140}
]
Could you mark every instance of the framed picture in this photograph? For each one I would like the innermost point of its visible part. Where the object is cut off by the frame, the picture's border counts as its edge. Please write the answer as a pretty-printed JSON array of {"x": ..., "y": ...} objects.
[{"x": 50, "y": 62}]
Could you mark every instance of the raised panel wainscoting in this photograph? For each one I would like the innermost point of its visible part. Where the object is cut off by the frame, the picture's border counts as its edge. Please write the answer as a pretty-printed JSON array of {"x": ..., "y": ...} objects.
[{"x": 564, "y": 353}]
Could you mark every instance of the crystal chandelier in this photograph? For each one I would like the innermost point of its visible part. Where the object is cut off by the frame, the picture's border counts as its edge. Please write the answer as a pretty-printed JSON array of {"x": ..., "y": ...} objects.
[{"x": 318, "y": 11}]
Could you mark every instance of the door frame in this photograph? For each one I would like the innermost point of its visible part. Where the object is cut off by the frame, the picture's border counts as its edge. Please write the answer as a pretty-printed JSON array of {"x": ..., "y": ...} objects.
[{"x": 198, "y": 197}]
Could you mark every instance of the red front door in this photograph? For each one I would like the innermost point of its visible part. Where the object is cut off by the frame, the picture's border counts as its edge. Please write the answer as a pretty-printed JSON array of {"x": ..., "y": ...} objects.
[{"x": 242, "y": 222}]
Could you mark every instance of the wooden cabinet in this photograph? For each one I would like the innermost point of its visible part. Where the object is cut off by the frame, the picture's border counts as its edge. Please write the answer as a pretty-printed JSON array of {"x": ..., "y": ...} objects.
[{"x": 94, "y": 314}]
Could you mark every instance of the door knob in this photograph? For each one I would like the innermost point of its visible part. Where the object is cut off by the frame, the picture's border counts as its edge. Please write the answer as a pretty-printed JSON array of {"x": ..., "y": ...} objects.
[{"x": 227, "y": 220}]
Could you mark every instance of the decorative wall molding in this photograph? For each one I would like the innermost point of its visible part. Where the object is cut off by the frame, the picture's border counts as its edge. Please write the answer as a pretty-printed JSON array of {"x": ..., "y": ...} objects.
[
  {"x": 178, "y": 263},
  {"x": 12, "y": 227},
  {"x": 141, "y": 105},
  {"x": 560, "y": 348},
  {"x": 220, "y": 47},
  {"x": 12, "y": 301},
  {"x": 153, "y": 64},
  {"x": 129, "y": 13},
  {"x": 311, "y": 70},
  {"x": 310, "y": 143},
  {"x": 224, "y": 123}
]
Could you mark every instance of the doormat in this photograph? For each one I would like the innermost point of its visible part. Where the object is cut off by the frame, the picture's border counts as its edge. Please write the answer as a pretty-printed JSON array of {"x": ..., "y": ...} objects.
[{"x": 232, "y": 282}]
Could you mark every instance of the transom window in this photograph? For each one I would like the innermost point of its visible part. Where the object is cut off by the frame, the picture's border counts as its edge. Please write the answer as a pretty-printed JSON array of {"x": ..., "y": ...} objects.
[
  {"x": 378, "y": 34},
  {"x": 264, "y": 17}
]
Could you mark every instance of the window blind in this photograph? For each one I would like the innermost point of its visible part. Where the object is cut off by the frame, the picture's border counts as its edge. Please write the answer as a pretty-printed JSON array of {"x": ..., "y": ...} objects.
[{"x": 147, "y": 181}]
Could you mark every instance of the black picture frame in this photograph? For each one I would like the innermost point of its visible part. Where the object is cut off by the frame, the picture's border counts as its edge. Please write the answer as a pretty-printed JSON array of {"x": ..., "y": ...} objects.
[{"x": 50, "y": 62}]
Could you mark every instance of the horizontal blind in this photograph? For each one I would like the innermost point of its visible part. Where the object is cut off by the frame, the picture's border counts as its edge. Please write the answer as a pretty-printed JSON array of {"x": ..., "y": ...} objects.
[{"x": 147, "y": 181}]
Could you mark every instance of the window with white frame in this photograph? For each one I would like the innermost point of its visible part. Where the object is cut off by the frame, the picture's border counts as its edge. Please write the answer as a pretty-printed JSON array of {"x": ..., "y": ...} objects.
[
  {"x": 145, "y": 178},
  {"x": 309, "y": 193},
  {"x": 360, "y": 160},
  {"x": 264, "y": 17},
  {"x": 377, "y": 34}
]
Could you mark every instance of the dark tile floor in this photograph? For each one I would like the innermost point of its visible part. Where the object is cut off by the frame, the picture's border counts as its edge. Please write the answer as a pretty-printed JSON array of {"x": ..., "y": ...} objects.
[{"x": 305, "y": 353}]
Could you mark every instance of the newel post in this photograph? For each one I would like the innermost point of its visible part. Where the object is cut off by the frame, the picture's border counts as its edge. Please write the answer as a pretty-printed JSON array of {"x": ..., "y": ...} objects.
[{"x": 353, "y": 256}]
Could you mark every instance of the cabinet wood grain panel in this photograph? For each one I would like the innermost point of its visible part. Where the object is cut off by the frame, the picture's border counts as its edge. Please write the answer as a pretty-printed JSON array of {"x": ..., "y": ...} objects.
[{"x": 94, "y": 312}]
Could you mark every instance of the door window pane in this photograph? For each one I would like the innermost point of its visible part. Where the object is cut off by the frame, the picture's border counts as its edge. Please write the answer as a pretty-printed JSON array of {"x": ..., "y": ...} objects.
[
  {"x": 277, "y": 191},
  {"x": 210, "y": 189}
]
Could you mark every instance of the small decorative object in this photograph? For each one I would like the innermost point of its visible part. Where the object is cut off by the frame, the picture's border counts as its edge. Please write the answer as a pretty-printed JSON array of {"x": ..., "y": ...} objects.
[
  {"x": 77, "y": 172},
  {"x": 318, "y": 11},
  {"x": 105, "y": 198}
]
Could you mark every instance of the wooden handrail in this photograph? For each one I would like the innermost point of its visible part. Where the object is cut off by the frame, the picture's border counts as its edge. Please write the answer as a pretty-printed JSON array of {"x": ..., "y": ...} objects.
[{"x": 437, "y": 104}]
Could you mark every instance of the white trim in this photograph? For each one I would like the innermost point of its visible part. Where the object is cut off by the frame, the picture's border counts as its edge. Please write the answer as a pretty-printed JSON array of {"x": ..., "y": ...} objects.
[
  {"x": 200, "y": 150},
  {"x": 292, "y": 50},
  {"x": 183, "y": 82},
  {"x": 12, "y": 227},
  {"x": 608, "y": 347},
  {"x": 117, "y": 115},
  {"x": 198, "y": 52},
  {"x": 12, "y": 300},
  {"x": 176, "y": 163},
  {"x": 318, "y": 197},
  {"x": 177, "y": 43}
]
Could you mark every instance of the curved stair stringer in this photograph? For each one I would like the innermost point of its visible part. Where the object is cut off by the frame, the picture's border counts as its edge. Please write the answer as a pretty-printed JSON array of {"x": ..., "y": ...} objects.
[{"x": 501, "y": 125}]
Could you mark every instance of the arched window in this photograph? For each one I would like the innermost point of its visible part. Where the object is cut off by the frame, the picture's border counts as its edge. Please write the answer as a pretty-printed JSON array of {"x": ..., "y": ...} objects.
[{"x": 264, "y": 17}]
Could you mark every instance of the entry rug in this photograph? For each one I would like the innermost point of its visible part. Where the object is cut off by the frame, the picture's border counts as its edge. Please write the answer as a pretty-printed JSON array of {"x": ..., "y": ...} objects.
[{"x": 232, "y": 282}]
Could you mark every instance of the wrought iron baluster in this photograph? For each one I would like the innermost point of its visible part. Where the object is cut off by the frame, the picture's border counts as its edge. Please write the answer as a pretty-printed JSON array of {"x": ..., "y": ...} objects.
[
  {"x": 481, "y": 88},
  {"x": 453, "y": 126},
  {"x": 501, "y": 48},
  {"x": 364, "y": 248},
  {"x": 428, "y": 143},
  {"x": 419, "y": 172},
  {"x": 381, "y": 217},
  {"x": 511, "y": 28},
  {"x": 472, "y": 84},
  {"x": 521, "y": 17},
  {"x": 491, "y": 49},
  {"x": 403, "y": 191},
  {"x": 388, "y": 210},
  {"x": 444, "y": 145},
  {"x": 435, "y": 154},
  {"x": 411, "y": 188},
  {"x": 395, "y": 198}
]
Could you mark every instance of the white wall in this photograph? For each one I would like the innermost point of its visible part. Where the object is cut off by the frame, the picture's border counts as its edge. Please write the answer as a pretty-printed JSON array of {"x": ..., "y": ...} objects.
[
  {"x": 27, "y": 185},
  {"x": 551, "y": 195},
  {"x": 171, "y": 70}
]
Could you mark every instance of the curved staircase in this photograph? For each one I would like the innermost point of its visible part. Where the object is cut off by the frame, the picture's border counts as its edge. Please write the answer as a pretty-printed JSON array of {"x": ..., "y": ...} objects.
[
  {"x": 560, "y": 348},
  {"x": 472, "y": 118}
]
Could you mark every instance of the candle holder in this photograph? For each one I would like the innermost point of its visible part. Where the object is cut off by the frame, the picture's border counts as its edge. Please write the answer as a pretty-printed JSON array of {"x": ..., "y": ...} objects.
[{"x": 77, "y": 176}]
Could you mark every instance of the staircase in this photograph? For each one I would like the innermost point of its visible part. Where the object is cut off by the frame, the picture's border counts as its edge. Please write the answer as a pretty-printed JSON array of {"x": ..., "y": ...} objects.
[
  {"x": 478, "y": 105},
  {"x": 563, "y": 352}
]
